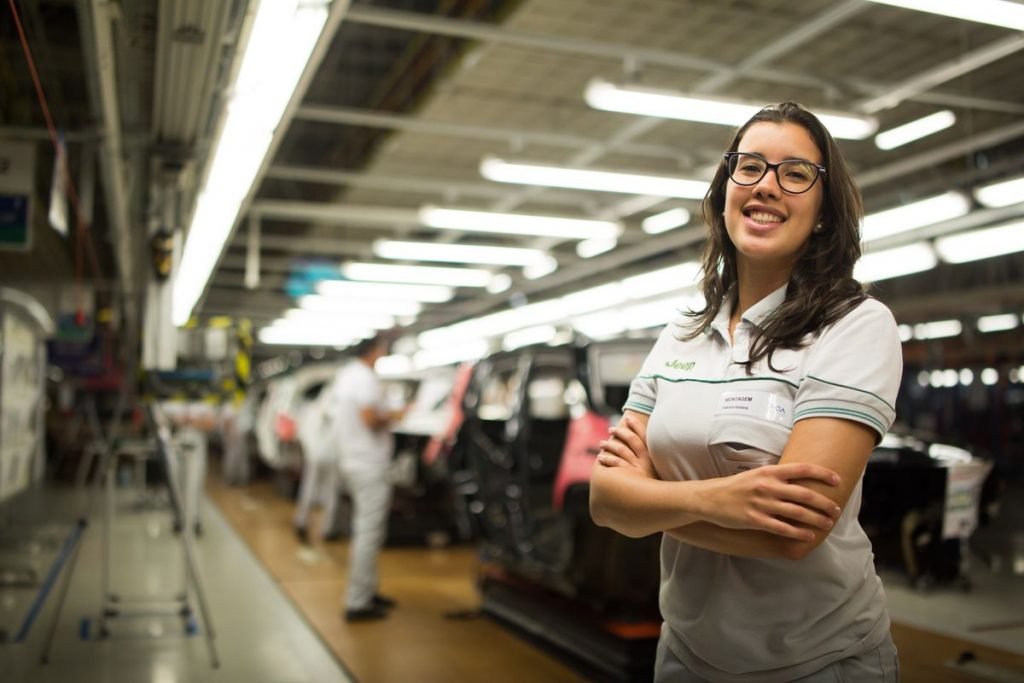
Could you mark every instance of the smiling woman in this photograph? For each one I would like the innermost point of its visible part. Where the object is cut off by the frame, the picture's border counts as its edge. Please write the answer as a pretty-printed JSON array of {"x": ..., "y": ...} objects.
[{"x": 748, "y": 456}]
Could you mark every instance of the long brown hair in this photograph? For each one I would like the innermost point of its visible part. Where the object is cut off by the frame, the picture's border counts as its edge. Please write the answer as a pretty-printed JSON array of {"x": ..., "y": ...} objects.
[{"x": 821, "y": 287}]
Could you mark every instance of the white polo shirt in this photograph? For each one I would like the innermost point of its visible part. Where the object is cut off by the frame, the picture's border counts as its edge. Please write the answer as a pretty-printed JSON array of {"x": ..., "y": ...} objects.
[
  {"x": 356, "y": 386},
  {"x": 740, "y": 619}
]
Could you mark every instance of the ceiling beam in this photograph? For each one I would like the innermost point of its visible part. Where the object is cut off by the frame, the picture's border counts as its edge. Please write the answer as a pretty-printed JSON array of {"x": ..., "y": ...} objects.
[{"x": 350, "y": 116}]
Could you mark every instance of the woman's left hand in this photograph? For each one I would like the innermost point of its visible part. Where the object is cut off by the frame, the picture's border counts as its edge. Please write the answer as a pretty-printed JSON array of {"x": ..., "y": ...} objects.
[{"x": 627, "y": 445}]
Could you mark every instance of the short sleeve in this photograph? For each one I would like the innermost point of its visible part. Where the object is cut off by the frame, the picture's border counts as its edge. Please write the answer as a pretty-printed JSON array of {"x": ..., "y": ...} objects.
[
  {"x": 854, "y": 370},
  {"x": 643, "y": 390}
]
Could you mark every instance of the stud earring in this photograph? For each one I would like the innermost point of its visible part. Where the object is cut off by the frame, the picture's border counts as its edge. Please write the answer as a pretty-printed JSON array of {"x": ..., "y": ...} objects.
[{"x": 818, "y": 228}]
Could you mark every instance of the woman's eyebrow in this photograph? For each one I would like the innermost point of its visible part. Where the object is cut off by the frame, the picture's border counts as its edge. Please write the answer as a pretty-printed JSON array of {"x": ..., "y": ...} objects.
[{"x": 794, "y": 158}]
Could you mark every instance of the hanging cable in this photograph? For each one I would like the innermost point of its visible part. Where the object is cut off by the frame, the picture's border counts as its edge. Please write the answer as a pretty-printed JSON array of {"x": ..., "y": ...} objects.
[{"x": 83, "y": 238}]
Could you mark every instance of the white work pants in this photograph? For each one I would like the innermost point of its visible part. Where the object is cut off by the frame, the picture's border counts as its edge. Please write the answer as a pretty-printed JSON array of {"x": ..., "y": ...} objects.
[
  {"x": 371, "y": 502},
  {"x": 319, "y": 484},
  {"x": 236, "y": 454},
  {"x": 188, "y": 465}
]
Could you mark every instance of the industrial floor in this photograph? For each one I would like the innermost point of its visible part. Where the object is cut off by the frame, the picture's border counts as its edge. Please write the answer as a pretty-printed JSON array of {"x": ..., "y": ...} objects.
[{"x": 275, "y": 605}]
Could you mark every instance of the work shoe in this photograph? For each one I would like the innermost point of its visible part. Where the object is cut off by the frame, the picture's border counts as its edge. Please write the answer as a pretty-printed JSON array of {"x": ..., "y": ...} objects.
[
  {"x": 371, "y": 613},
  {"x": 379, "y": 600}
]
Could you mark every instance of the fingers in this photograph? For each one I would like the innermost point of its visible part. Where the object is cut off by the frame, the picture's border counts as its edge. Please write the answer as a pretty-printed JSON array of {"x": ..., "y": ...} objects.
[
  {"x": 628, "y": 437},
  {"x": 805, "y": 516},
  {"x": 780, "y": 527},
  {"x": 609, "y": 460},
  {"x": 806, "y": 470},
  {"x": 619, "y": 449},
  {"x": 814, "y": 501}
]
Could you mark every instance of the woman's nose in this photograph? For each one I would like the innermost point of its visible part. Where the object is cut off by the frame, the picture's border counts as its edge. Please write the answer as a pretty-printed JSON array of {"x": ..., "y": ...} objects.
[{"x": 768, "y": 185}]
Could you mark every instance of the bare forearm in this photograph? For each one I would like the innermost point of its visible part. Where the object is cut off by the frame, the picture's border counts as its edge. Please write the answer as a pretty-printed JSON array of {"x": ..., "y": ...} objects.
[
  {"x": 737, "y": 542},
  {"x": 636, "y": 506}
]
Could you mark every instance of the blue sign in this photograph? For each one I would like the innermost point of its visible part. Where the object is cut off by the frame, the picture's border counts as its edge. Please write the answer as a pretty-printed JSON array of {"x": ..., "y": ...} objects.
[{"x": 14, "y": 221}]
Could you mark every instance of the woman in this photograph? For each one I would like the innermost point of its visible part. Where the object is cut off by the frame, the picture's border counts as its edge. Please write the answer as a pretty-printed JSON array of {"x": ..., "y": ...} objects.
[{"x": 746, "y": 434}]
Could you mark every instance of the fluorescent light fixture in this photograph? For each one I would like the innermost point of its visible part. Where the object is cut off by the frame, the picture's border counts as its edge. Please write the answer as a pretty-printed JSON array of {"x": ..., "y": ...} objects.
[
  {"x": 280, "y": 42},
  {"x": 989, "y": 376},
  {"x": 394, "y": 365},
  {"x": 939, "y": 329},
  {"x": 655, "y": 313},
  {"x": 1003, "y": 193},
  {"x": 662, "y": 281},
  {"x": 600, "y": 325},
  {"x": 997, "y": 323},
  {"x": 545, "y": 175},
  {"x": 882, "y": 265},
  {"x": 541, "y": 268},
  {"x": 423, "y": 275},
  {"x": 466, "y": 350},
  {"x": 994, "y": 12},
  {"x": 346, "y": 305},
  {"x": 499, "y": 283},
  {"x": 313, "y": 319},
  {"x": 917, "y": 214},
  {"x": 539, "y": 334},
  {"x": 974, "y": 245},
  {"x": 591, "y": 248},
  {"x": 495, "y": 324},
  {"x": 906, "y": 333},
  {"x": 665, "y": 221},
  {"x": 304, "y": 337},
  {"x": 594, "y": 298},
  {"x": 386, "y": 290},
  {"x": 915, "y": 130},
  {"x": 601, "y": 94},
  {"x": 458, "y": 253},
  {"x": 518, "y": 224},
  {"x": 966, "y": 377}
]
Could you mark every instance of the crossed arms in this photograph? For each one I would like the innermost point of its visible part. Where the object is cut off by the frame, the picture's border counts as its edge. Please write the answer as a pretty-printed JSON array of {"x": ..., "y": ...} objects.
[{"x": 775, "y": 511}]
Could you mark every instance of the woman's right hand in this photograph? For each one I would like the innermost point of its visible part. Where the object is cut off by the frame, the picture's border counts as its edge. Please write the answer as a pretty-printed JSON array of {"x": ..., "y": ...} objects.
[{"x": 768, "y": 499}]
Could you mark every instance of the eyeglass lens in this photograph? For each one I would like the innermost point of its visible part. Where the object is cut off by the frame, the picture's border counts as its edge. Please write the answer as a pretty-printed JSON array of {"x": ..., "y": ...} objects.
[{"x": 794, "y": 176}]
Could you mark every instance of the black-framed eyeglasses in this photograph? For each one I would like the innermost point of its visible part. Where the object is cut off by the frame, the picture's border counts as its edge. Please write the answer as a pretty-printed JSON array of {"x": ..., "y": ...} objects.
[{"x": 795, "y": 176}]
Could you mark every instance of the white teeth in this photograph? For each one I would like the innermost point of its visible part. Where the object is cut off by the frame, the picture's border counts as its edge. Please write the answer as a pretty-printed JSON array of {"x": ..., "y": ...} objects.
[{"x": 763, "y": 217}]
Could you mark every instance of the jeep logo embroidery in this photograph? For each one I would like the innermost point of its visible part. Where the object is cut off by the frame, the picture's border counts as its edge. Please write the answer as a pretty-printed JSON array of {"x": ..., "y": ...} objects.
[{"x": 676, "y": 365}]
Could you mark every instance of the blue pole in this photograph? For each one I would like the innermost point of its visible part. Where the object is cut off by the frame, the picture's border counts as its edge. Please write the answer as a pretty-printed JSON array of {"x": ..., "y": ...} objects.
[{"x": 51, "y": 578}]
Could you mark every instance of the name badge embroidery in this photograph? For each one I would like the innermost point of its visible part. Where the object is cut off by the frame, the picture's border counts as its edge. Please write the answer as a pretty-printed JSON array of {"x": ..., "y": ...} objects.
[{"x": 763, "y": 405}]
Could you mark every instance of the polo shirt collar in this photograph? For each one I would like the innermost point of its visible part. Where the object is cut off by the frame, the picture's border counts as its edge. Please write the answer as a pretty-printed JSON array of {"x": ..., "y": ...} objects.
[
  {"x": 765, "y": 307},
  {"x": 755, "y": 315}
]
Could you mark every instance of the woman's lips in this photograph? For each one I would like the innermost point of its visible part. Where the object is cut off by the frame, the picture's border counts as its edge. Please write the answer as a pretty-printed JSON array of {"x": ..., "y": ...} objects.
[{"x": 762, "y": 221}]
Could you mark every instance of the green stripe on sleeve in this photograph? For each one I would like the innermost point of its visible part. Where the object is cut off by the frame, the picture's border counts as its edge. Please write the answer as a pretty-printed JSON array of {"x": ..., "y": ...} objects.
[
  {"x": 841, "y": 412},
  {"x": 639, "y": 407}
]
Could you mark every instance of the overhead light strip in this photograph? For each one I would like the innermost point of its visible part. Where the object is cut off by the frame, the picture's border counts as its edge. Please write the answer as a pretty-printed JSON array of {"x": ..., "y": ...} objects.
[
  {"x": 915, "y": 130},
  {"x": 545, "y": 175},
  {"x": 914, "y": 215},
  {"x": 905, "y": 260},
  {"x": 628, "y": 99},
  {"x": 348, "y": 288},
  {"x": 457, "y": 253},
  {"x": 349, "y": 304},
  {"x": 994, "y": 12},
  {"x": 665, "y": 221},
  {"x": 974, "y": 245},
  {"x": 283, "y": 35},
  {"x": 1000, "y": 194},
  {"x": 422, "y": 275},
  {"x": 518, "y": 224}
]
